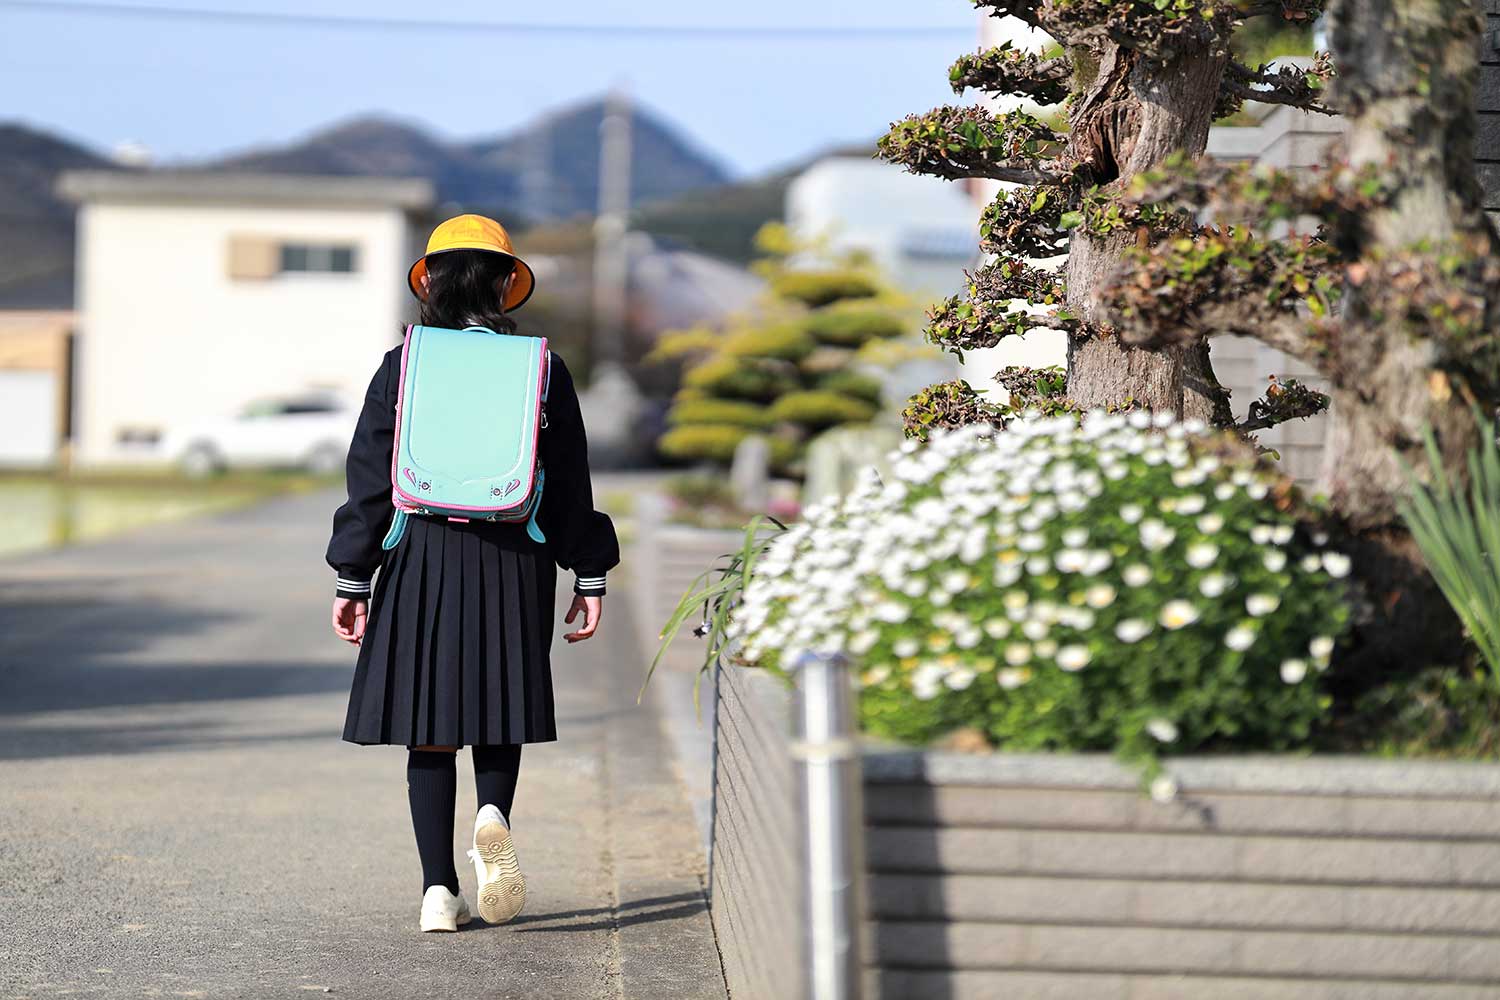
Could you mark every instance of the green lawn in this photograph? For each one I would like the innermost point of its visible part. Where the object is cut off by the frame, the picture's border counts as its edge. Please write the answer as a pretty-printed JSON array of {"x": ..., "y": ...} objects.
[{"x": 47, "y": 510}]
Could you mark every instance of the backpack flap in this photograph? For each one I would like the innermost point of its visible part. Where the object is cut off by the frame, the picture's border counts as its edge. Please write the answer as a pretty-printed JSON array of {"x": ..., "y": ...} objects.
[{"x": 468, "y": 422}]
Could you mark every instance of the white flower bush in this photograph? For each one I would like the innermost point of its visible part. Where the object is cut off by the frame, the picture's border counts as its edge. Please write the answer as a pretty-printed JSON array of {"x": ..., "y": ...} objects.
[{"x": 1103, "y": 584}]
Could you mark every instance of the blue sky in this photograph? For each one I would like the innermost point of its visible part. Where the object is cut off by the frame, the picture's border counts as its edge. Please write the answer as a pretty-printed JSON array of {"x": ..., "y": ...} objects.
[{"x": 189, "y": 88}]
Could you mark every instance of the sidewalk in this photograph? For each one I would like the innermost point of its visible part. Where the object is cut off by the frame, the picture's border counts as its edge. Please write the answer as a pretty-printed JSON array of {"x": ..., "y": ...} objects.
[{"x": 180, "y": 819}]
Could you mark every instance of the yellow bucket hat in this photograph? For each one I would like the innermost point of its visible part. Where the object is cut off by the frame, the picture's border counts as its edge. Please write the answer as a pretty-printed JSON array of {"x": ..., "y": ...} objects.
[{"x": 475, "y": 232}]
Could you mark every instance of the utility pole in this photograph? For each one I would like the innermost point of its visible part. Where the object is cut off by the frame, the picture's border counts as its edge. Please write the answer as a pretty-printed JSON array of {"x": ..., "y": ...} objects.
[{"x": 611, "y": 260}]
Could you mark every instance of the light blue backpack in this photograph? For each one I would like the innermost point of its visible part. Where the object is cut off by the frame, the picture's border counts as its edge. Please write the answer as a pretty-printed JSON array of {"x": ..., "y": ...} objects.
[{"x": 469, "y": 414}]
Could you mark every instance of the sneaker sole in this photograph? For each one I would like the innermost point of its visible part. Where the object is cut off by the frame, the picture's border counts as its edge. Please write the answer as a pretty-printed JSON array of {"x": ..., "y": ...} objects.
[
  {"x": 502, "y": 888},
  {"x": 445, "y": 925}
]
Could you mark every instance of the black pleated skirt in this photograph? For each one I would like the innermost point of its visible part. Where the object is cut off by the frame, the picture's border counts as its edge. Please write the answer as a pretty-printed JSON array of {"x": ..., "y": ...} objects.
[{"x": 456, "y": 646}]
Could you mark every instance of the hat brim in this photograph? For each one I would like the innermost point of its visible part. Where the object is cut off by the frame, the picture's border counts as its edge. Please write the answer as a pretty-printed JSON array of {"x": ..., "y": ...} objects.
[{"x": 520, "y": 289}]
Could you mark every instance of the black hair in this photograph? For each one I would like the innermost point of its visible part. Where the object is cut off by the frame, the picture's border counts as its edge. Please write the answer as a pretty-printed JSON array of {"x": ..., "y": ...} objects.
[{"x": 464, "y": 290}]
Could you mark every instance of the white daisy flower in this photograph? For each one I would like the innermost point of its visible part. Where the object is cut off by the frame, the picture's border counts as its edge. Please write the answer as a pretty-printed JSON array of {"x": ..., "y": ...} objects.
[
  {"x": 1261, "y": 534},
  {"x": 959, "y": 678},
  {"x": 1310, "y": 563},
  {"x": 1073, "y": 658},
  {"x": 1202, "y": 555},
  {"x": 905, "y": 647},
  {"x": 1163, "y": 790},
  {"x": 956, "y": 580},
  {"x": 1260, "y": 605},
  {"x": 996, "y": 628},
  {"x": 1100, "y": 595},
  {"x": 1045, "y": 648},
  {"x": 1292, "y": 671},
  {"x": 1336, "y": 564},
  {"x": 1282, "y": 534},
  {"x": 1275, "y": 560},
  {"x": 1034, "y": 630},
  {"x": 1213, "y": 585},
  {"x": 1017, "y": 654},
  {"x": 1191, "y": 504},
  {"x": 862, "y": 642},
  {"x": 1076, "y": 538},
  {"x": 1162, "y": 730},
  {"x": 1011, "y": 678},
  {"x": 1155, "y": 535},
  {"x": 1177, "y": 614},
  {"x": 1240, "y": 638},
  {"x": 1210, "y": 524},
  {"x": 1132, "y": 630},
  {"x": 1136, "y": 575},
  {"x": 877, "y": 675},
  {"x": 1131, "y": 513},
  {"x": 1321, "y": 647}
]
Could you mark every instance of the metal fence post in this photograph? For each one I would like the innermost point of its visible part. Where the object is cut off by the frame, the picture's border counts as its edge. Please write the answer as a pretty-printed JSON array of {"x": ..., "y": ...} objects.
[{"x": 826, "y": 750}]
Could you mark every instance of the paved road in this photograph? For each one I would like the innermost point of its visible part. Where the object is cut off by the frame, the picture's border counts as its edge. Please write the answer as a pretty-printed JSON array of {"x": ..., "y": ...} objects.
[{"x": 179, "y": 819}]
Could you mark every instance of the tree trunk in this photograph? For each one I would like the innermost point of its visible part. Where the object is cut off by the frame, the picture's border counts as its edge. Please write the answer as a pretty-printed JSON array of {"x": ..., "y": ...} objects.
[
  {"x": 1407, "y": 71},
  {"x": 1132, "y": 115}
]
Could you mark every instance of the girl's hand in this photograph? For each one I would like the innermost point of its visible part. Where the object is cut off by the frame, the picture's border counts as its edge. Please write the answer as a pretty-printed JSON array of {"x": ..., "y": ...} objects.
[
  {"x": 349, "y": 619},
  {"x": 592, "y": 608}
]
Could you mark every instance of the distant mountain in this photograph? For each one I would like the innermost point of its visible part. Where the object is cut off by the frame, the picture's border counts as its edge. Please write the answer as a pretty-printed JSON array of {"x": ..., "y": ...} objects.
[
  {"x": 36, "y": 235},
  {"x": 545, "y": 171}
]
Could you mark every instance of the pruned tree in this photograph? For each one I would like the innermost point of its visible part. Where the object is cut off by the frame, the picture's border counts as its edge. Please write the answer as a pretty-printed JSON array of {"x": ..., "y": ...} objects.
[
  {"x": 1140, "y": 81},
  {"x": 1379, "y": 272}
]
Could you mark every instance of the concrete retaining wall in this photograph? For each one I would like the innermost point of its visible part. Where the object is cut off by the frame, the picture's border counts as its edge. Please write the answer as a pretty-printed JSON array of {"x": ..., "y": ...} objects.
[{"x": 1053, "y": 876}]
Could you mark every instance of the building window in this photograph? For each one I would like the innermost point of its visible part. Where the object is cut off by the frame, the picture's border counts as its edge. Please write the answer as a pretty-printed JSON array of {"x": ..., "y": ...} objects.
[
  {"x": 258, "y": 258},
  {"x": 323, "y": 258}
]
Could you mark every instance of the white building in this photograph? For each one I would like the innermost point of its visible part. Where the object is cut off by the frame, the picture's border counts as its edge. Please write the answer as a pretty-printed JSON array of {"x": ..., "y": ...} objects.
[
  {"x": 199, "y": 292},
  {"x": 920, "y": 231}
]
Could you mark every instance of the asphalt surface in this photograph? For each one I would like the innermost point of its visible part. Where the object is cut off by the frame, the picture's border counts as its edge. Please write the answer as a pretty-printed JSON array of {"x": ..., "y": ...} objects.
[{"x": 178, "y": 817}]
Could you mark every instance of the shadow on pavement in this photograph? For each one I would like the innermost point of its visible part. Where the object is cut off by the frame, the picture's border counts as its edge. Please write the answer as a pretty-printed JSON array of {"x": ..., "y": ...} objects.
[
  {"x": 639, "y": 912},
  {"x": 78, "y": 646}
]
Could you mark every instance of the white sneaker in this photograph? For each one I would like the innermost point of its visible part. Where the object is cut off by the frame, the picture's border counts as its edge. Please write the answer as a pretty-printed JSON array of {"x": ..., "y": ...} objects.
[
  {"x": 502, "y": 888},
  {"x": 443, "y": 911}
]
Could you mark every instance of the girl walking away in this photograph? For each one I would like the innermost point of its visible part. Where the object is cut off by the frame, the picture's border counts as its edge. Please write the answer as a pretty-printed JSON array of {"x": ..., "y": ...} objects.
[{"x": 454, "y": 630}]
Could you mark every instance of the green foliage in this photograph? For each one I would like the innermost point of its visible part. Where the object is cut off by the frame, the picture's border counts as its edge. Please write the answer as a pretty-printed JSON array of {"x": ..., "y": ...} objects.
[
  {"x": 1036, "y": 390},
  {"x": 1112, "y": 584},
  {"x": 740, "y": 378},
  {"x": 820, "y": 288},
  {"x": 784, "y": 341},
  {"x": 791, "y": 371},
  {"x": 849, "y": 324},
  {"x": 968, "y": 141},
  {"x": 733, "y": 412},
  {"x": 675, "y": 345},
  {"x": 815, "y": 408},
  {"x": 713, "y": 594},
  {"x": 702, "y": 442},
  {"x": 1458, "y": 531},
  {"x": 1440, "y": 712},
  {"x": 948, "y": 405},
  {"x": 852, "y": 383}
]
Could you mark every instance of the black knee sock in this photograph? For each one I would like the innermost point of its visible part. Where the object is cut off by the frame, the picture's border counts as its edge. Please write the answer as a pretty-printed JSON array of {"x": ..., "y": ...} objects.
[
  {"x": 431, "y": 783},
  {"x": 495, "y": 771}
]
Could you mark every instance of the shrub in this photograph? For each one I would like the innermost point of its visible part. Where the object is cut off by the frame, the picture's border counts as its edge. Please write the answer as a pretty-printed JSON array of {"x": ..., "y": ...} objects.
[
  {"x": 719, "y": 411},
  {"x": 1058, "y": 585},
  {"x": 702, "y": 442},
  {"x": 785, "y": 341},
  {"x": 717, "y": 442},
  {"x": 853, "y": 324},
  {"x": 818, "y": 408},
  {"x": 743, "y": 378},
  {"x": 819, "y": 288},
  {"x": 850, "y": 383},
  {"x": 676, "y": 344}
]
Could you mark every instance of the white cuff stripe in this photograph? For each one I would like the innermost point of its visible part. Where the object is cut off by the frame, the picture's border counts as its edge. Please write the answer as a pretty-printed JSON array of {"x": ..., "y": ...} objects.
[
  {"x": 595, "y": 580},
  {"x": 352, "y": 584}
]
